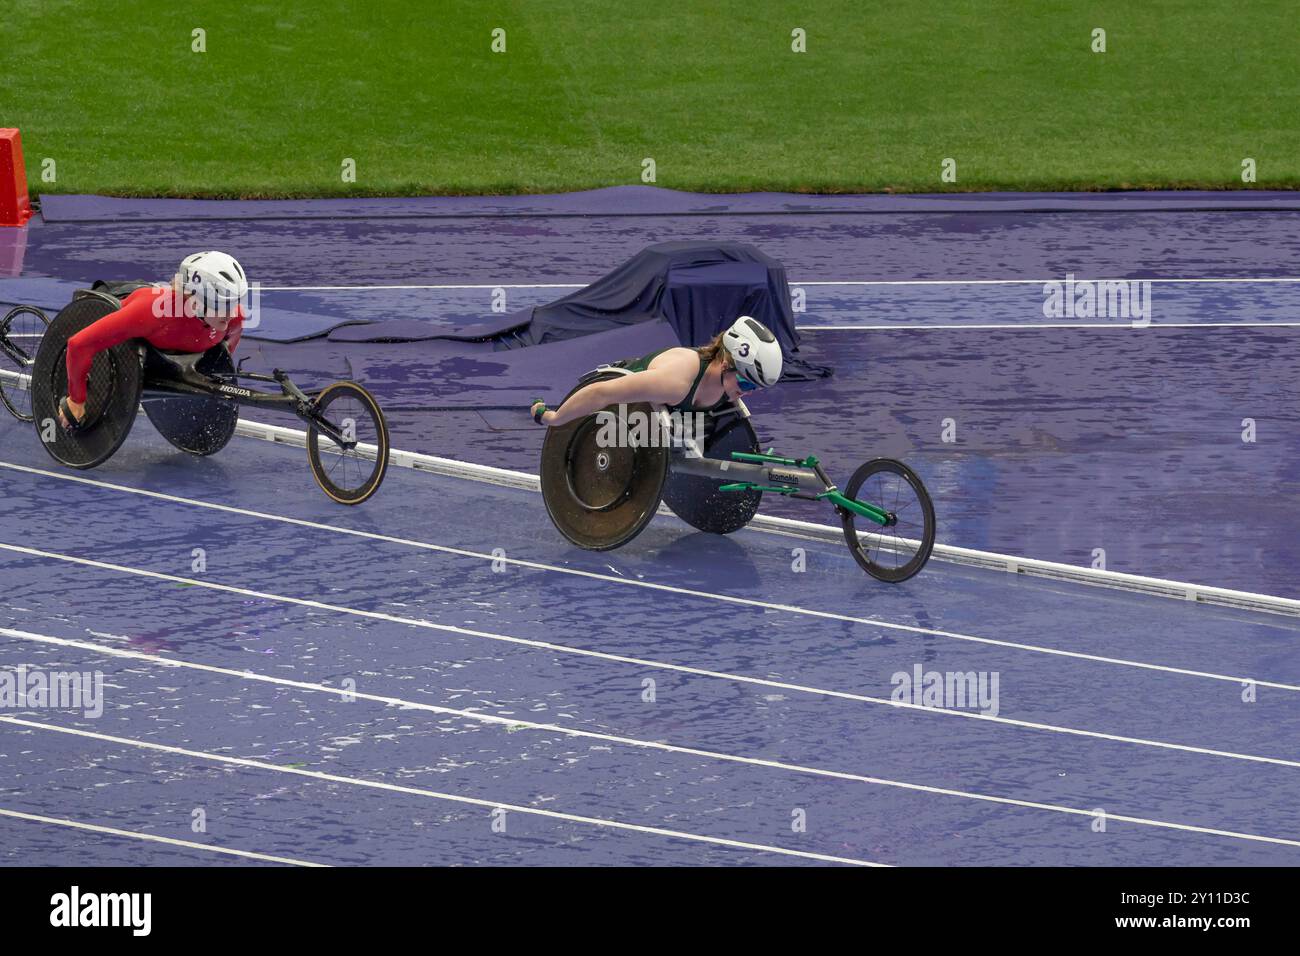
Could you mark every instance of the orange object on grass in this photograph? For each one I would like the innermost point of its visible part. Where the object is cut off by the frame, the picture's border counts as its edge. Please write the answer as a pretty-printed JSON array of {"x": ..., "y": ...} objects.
[{"x": 15, "y": 206}]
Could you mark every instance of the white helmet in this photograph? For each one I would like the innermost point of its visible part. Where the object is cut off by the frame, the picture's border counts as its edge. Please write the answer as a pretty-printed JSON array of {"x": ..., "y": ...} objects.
[
  {"x": 214, "y": 282},
  {"x": 754, "y": 351}
]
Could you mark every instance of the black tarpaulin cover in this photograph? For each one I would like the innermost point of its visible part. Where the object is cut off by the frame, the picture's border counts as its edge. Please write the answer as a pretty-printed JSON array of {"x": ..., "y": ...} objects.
[{"x": 698, "y": 288}]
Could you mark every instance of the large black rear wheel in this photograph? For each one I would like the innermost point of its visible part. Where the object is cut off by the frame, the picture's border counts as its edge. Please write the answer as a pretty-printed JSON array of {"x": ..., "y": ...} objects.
[
  {"x": 600, "y": 494},
  {"x": 112, "y": 389}
]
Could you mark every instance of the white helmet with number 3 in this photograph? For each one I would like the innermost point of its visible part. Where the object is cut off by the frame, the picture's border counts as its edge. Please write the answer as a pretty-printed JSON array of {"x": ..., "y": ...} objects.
[
  {"x": 214, "y": 285},
  {"x": 754, "y": 351}
]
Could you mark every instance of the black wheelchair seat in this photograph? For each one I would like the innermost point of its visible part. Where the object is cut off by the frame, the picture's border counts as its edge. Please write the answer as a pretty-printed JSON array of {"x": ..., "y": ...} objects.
[
  {"x": 188, "y": 367},
  {"x": 198, "y": 424}
]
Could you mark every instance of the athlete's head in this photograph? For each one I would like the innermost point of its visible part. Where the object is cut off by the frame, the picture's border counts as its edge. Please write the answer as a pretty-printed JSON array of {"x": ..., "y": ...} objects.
[
  {"x": 213, "y": 285},
  {"x": 755, "y": 353}
]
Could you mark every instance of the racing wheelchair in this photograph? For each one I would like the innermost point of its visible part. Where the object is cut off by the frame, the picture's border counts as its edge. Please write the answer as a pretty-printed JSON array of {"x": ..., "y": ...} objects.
[
  {"x": 600, "y": 494},
  {"x": 191, "y": 399}
]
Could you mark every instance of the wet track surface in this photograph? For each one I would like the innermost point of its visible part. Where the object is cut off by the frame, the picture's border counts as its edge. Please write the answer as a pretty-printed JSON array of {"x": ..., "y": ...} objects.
[
  {"x": 1063, "y": 441},
  {"x": 438, "y": 627},
  {"x": 375, "y": 685}
]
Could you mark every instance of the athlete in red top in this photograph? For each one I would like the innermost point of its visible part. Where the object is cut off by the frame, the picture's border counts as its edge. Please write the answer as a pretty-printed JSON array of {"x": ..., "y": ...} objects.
[{"x": 202, "y": 307}]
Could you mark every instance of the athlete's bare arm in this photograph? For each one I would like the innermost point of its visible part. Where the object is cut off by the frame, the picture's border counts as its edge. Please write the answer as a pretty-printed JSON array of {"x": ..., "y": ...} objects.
[{"x": 665, "y": 382}]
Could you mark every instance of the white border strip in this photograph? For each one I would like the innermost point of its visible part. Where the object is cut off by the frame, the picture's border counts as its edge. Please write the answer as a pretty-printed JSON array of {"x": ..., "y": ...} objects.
[
  {"x": 630, "y": 582},
  {"x": 987, "y": 560},
  {"x": 951, "y": 554},
  {"x": 611, "y": 578}
]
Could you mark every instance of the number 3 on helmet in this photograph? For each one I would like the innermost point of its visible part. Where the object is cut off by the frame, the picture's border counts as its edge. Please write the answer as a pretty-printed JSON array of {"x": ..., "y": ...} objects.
[{"x": 754, "y": 351}]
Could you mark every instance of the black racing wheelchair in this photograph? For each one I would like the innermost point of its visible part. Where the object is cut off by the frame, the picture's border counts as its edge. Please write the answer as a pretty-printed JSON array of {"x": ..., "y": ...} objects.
[
  {"x": 604, "y": 476},
  {"x": 191, "y": 399}
]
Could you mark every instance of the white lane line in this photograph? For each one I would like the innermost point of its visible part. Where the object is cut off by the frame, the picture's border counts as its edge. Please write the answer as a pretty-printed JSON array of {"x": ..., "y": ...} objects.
[
  {"x": 438, "y": 795},
  {"x": 1263, "y": 280},
  {"x": 647, "y": 663},
  {"x": 614, "y": 738},
  {"x": 789, "y": 527},
  {"x": 650, "y": 585},
  {"x": 597, "y": 821},
  {"x": 449, "y": 286},
  {"x": 1015, "y": 326},
  {"x": 153, "y": 838}
]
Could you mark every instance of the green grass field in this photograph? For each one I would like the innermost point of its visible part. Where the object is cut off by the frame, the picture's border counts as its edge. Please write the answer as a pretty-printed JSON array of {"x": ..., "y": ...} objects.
[{"x": 586, "y": 90}]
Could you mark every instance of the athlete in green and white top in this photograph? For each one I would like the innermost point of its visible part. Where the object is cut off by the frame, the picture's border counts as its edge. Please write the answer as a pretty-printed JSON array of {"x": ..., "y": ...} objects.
[{"x": 745, "y": 357}]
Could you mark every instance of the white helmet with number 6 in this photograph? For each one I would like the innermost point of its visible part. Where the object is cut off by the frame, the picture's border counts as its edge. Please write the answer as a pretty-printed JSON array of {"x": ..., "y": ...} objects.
[
  {"x": 214, "y": 285},
  {"x": 754, "y": 351}
]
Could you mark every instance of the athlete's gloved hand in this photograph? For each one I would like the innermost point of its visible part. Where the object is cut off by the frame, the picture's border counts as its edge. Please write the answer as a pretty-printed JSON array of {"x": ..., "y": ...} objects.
[{"x": 538, "y": 409}]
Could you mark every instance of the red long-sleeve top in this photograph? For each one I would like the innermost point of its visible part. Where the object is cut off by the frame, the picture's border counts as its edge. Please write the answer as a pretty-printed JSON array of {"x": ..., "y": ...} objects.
[{"x": 152, "y": 314}]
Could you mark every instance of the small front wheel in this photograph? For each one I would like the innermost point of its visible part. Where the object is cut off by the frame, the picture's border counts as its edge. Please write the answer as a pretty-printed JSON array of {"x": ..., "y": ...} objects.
[
  {"x": 899, "y": 549},
  {"x": 21, "y": 332},
  {"x": 347, "y": 443}
]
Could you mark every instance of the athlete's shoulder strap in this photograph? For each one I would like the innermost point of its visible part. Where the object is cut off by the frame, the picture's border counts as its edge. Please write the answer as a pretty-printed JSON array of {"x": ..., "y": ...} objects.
[{"x": 688, "y": 403}]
